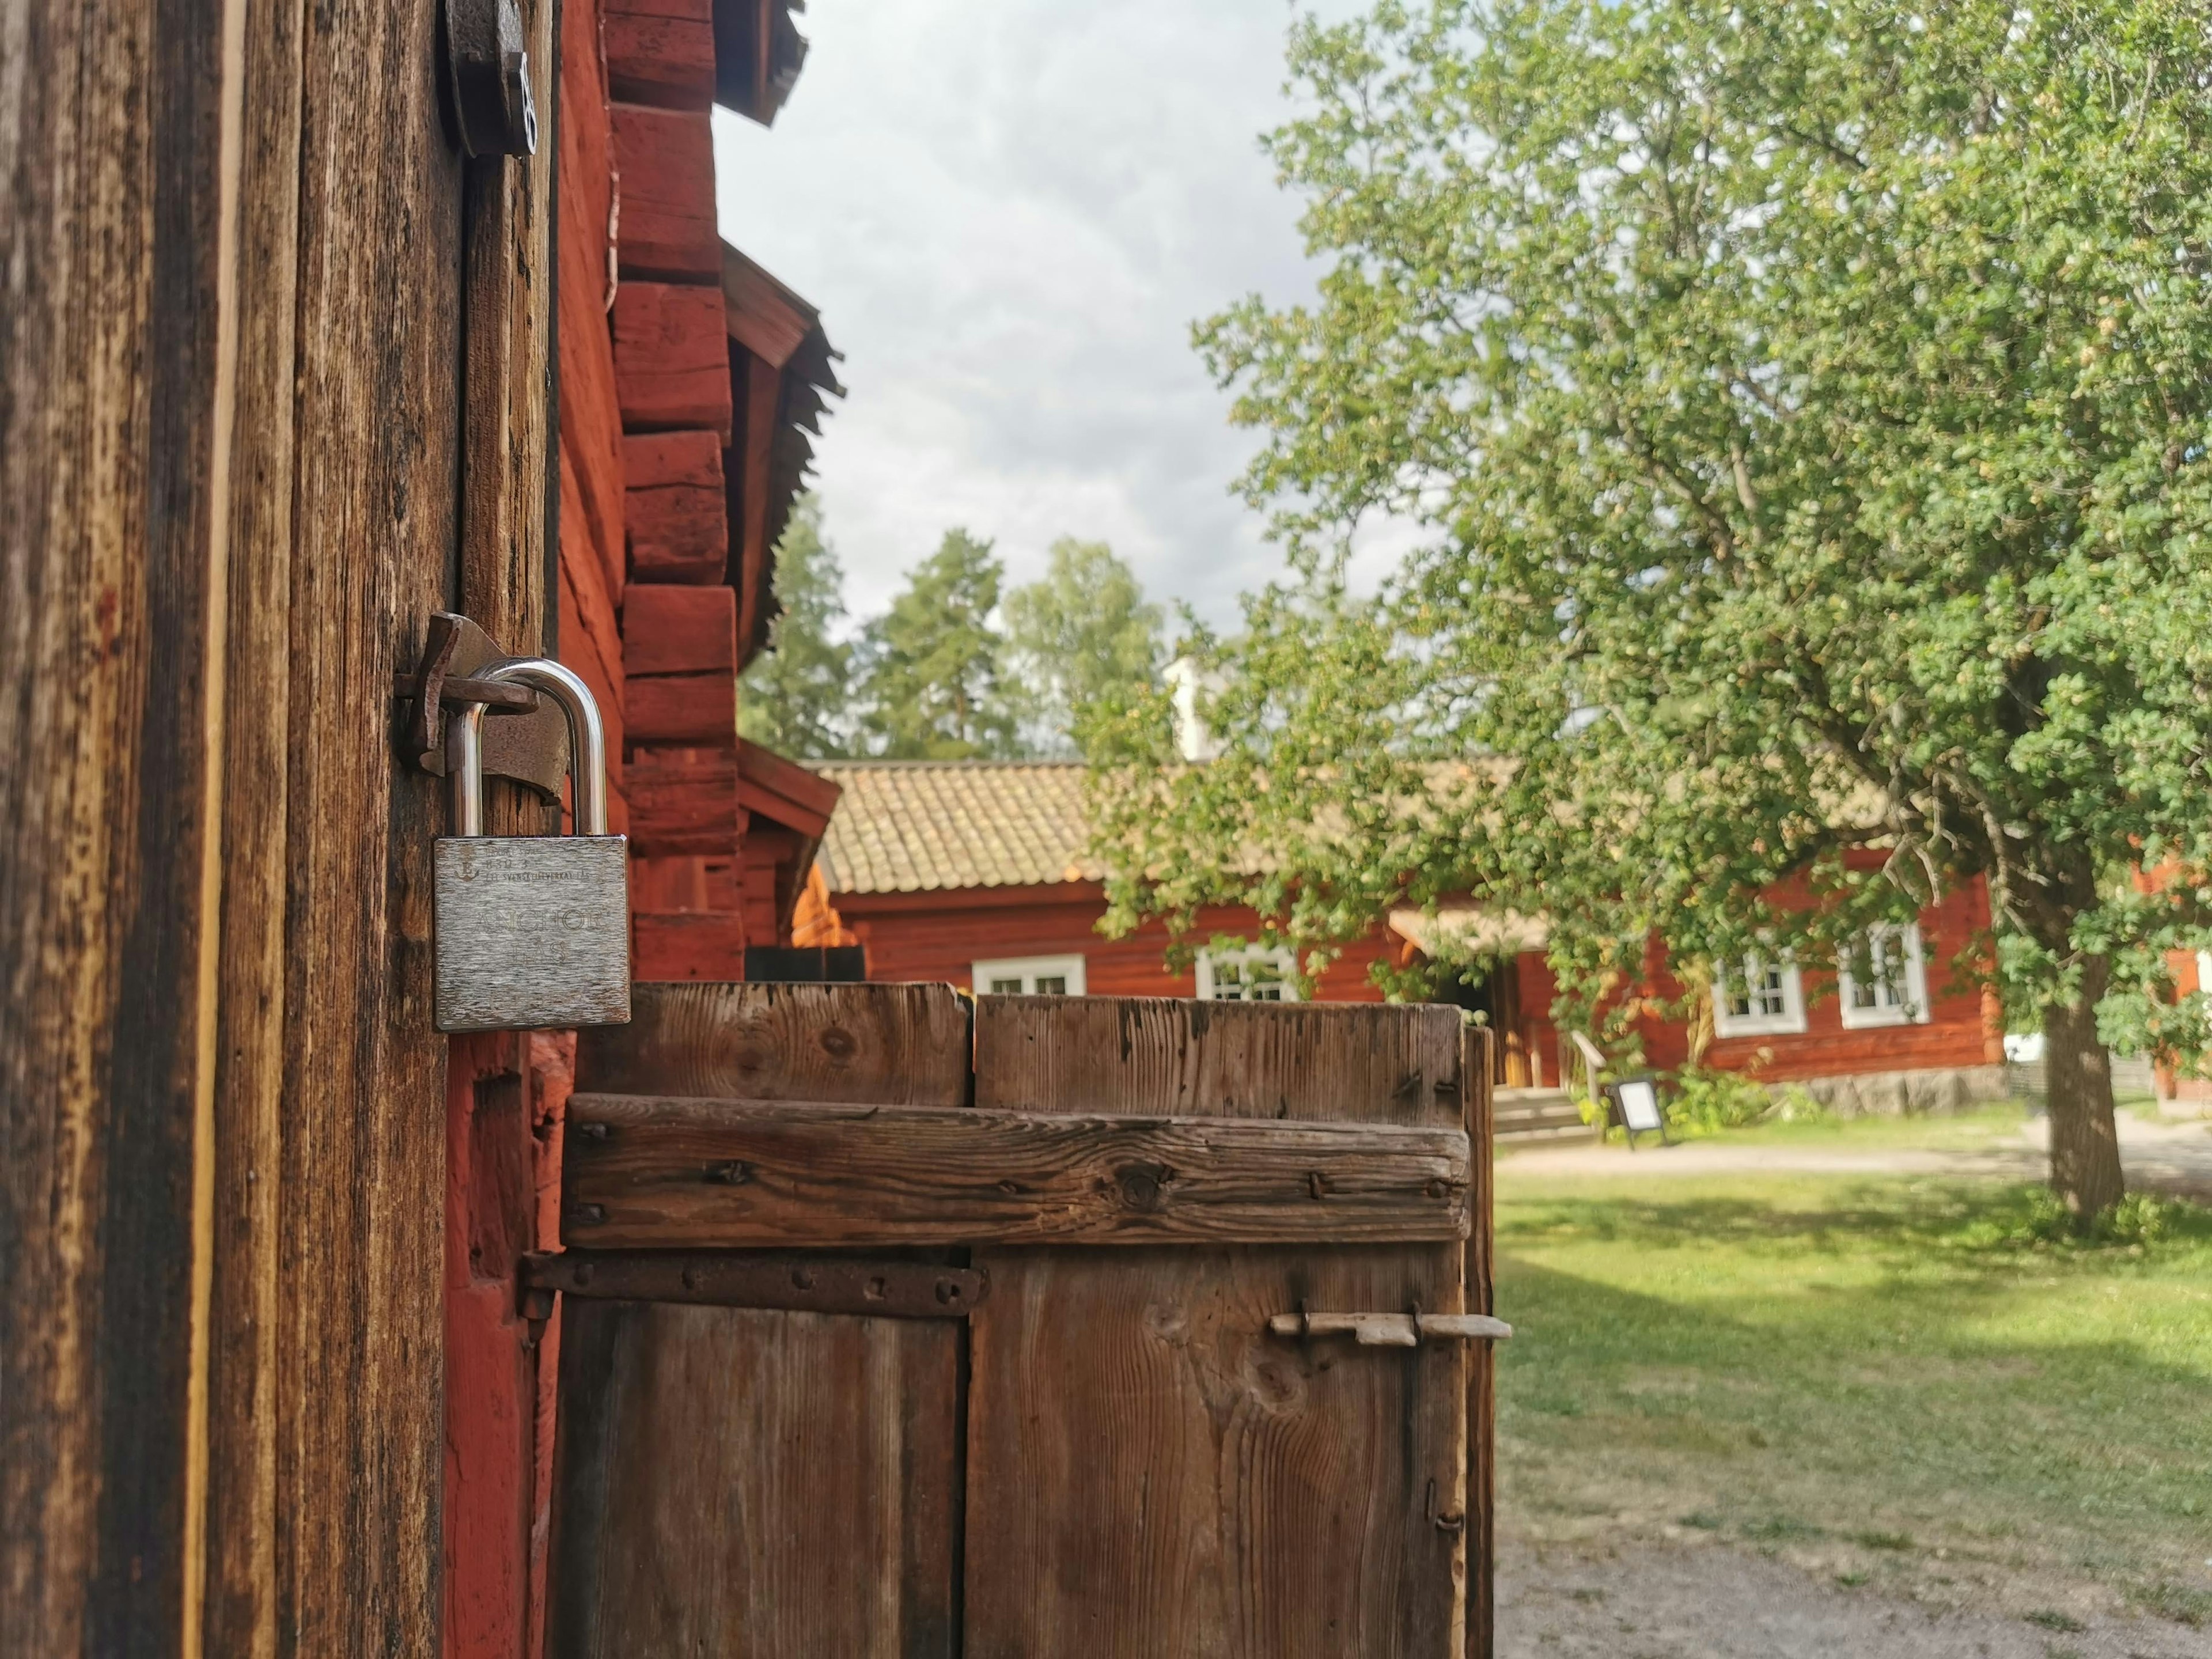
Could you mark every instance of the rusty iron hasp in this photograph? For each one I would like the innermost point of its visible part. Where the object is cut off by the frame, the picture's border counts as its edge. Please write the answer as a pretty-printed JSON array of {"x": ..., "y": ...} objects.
[{"x": 787, "y": 1281}]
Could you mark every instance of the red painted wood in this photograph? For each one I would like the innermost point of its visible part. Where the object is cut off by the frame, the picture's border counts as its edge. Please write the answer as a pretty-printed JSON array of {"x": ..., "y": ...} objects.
[
  {"x": 678, "y": 507},
  {"x": 668, "y": 629},
  {"x": 689, "y": 944},
  {"x": 585, "y": 635},
  {"x": 591, "y": 422},
  {"x": 491, "y": 1383},
  {"x": 687, "y": 807},
  {"x": 671, "y": 357},
  {"x": 661, "y": 51},
  {"x": 667, "y": 227},
  {"x": 696, "y": 709},
  {"x": 752, "y": 471},
  {"x": 939, "y": 936}
]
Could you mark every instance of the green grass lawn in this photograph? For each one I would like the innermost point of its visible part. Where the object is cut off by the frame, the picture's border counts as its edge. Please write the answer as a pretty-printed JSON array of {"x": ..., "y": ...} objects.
[{"x": 1884, "y": 1378}]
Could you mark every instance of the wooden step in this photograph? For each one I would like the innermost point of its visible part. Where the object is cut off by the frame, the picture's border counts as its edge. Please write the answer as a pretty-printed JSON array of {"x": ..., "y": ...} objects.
[{"x": 1527, "y": 1114}]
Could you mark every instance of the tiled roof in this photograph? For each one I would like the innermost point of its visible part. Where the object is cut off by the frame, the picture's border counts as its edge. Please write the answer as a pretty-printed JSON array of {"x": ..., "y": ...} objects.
[{"x": 926, "y": 826}]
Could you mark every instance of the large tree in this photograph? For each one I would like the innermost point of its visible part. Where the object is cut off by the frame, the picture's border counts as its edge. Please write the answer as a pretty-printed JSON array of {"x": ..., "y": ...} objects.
[
  {"x": 1081, "y": 638},
  {"x": 797, "y": 696},
  {"x": 933, "y": 687},
  {"x": 1807, "y": 408}
]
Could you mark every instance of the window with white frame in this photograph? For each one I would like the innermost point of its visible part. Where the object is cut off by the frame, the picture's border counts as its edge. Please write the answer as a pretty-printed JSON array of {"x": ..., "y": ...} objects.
[
  {"x": 1251, "y": 973},
  {"x": 1882, "y": 979},
  {"x": 1034, "y": 976},
  {"x": 1758, "y": 996}
]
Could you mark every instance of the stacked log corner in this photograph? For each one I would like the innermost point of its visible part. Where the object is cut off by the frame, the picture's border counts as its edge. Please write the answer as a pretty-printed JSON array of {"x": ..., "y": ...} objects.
[{"x": 664, "y": 417}]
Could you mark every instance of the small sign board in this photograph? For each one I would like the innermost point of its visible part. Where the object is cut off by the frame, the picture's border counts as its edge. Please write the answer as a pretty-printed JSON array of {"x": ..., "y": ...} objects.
[{"x": 1636, "y": 1107}]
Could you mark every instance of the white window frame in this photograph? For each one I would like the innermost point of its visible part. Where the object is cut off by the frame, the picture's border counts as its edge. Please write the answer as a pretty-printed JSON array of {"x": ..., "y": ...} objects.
[
  {"x": 1911, "y": 980},
  {"x": 1789, "y": 1021},
  {"x": 1282, "y": 960},
  {"x": 1029, "y": 970}
]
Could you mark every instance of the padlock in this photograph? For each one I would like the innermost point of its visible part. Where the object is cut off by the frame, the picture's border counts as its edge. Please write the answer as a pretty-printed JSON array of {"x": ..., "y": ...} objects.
[{"x": 532, "y": 931}]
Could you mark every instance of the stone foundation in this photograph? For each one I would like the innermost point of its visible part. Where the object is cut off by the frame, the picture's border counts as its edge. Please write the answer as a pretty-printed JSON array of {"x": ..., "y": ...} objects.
[{"x": 1924, "y": 1093}]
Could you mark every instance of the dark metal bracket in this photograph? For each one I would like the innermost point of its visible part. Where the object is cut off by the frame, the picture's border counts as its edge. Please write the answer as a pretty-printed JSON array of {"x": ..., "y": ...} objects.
[
  {"x": 755, "y": 1279},
  {"x": 529, "y": 744}
]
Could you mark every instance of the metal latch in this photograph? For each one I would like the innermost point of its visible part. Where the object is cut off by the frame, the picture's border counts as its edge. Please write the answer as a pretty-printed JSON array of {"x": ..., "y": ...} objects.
[{"x": 1393, "y": 1330}]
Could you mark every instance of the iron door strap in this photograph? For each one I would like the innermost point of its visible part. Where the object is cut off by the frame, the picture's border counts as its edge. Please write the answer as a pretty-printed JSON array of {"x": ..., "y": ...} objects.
[
  {"x": 785, "y": 1281},
  {"x": 1393, "y": 1330}
]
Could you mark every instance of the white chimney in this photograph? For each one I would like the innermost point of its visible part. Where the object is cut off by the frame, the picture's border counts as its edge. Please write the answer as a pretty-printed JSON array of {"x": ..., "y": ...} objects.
[{"x": 1192, "y": 741}]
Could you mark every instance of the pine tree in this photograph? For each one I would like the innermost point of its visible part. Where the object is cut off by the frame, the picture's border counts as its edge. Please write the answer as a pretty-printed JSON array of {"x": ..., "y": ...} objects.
[
  {"x": 796, "y": 697},
  {"x": 933, "y": 687}
]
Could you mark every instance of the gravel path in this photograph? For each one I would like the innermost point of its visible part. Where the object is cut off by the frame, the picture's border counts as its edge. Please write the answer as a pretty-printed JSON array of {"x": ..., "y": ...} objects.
[
  {"x": 1667, "y": 1600},
  {"x": 2169, "y": 1158}
]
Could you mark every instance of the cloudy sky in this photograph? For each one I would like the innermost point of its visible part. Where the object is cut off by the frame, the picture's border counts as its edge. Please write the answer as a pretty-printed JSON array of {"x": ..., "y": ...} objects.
[{"x": 1009, "y": 212}]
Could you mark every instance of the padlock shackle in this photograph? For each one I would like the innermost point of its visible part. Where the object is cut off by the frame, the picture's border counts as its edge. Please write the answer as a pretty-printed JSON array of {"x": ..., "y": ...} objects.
[{"x": 587, "y": 745}]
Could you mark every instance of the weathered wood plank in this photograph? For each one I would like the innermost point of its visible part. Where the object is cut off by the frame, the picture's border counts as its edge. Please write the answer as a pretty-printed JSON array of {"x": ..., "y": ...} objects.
[
  {"x": 591, "y": 421},
  {"x": 1479, "y": 1066},
  {"x": 739, "y": 1482},
  {"x": 695, "y": 1174},
  {"x": 1290, "y": 1497},
  {"x": 813, "y": 1281},
  {"x": 672, "y": 358},
  {"x": 114, "y": 407},
  {"x": 898, "y": 1045},
  {"x": 694, "y": 710},
  {"x": 240, "y": 1614},
  {"x": 1399, "y": 1065},
  {"x": 682, "y": 807},
  {"x": 701, "y": 946},
  {"x": 1150, "y": 1471},
  {"x": 677, "y": 509},
  {"x": 378, "y": 440},
  {"x": 668, "y": 629},
  {"x": 661, "y": 51},
  {"x": 668, "y": 229}
]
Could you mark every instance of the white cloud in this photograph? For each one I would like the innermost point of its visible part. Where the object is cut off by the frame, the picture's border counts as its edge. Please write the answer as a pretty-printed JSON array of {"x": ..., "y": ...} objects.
[{"x": 1010, "y": 213}]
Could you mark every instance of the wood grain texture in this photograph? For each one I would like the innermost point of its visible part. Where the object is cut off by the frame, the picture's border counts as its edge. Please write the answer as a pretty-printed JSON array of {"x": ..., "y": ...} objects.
[
  {"x": 894, "y": 1045},
  {"x": 113, "y": 394},
  {"x": 738, "y": 1482},
  {"x": 241, "y": 1606},
  {"x": 683, "y": 807},
  {"x": 1482, "y": 1361},
  {"x": 1299, "y": 1060},
  {"x": 590, "y": 419},
  {"x": 665, "y": 161},
  {"x": 378, "y": 439},
  {"x": 696, "y": 710},
  {"x": 704, "y": 946},
  {"x": 680, "y": 630},
  {"x": 672, "y": 358},
  {"x": 727, "y": 1173},
  {"x": 677, "y": 515},
  {"x": 1151, "y": 1472},
  {"x": 661, "y": 51}
]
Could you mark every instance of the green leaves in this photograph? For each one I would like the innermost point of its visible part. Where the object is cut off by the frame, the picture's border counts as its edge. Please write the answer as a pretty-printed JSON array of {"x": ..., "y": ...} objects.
[{"x": 1807, "y": 408}]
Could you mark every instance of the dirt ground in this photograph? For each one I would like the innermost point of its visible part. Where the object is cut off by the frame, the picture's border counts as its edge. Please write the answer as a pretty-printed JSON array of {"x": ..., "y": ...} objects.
[{"x": 1664, "y": 1598}]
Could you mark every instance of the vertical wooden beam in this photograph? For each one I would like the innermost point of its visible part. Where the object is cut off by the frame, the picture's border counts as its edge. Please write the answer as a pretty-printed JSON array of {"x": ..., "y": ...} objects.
[
  {"x": 508, "y": 407},
  {"x": 241, "y": 1608},
  {"x": 114, "y": 187},
  {"x": 1482, "y": 1357},
  {"x": 376, "y": 548}
]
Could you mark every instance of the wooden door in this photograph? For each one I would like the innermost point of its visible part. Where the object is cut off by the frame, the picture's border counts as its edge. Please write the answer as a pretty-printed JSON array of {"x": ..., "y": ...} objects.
[
  {"x": 239, "y": 247},
  {"x": 889, "y": 1334}
]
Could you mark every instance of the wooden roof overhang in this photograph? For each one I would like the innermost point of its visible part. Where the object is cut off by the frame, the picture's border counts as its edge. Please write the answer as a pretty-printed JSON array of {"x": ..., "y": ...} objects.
[
  {"x": 785, "y": 794},
  {"x": 781, "y": 374}
]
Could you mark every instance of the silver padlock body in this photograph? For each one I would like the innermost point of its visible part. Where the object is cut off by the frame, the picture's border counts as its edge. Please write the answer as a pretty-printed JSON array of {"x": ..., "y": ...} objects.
[{"x": 532, "y": 932}]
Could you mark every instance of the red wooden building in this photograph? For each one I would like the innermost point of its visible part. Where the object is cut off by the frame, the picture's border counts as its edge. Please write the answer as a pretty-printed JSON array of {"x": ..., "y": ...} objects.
[{"x": 979, "y": 873}]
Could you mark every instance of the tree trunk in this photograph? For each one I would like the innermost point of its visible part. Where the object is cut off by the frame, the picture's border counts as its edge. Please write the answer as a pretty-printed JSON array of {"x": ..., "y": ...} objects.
[{"x": 2085, "y": 1148}]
